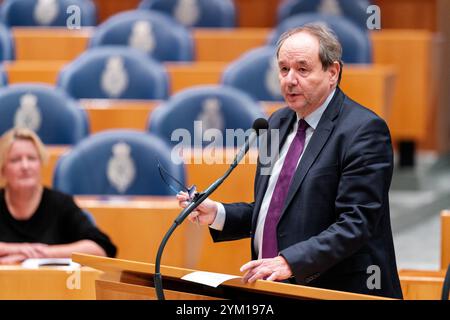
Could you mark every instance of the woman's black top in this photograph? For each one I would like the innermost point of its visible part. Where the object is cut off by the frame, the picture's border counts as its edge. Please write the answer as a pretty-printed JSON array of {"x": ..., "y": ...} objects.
[{"x": 57, "y": 220}]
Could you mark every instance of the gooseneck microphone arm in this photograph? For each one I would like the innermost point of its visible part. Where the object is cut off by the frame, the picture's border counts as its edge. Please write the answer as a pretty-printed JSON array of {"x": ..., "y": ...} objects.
[
  {"x": 259, "y": 124},
  {"x": 181, "y": 217}
]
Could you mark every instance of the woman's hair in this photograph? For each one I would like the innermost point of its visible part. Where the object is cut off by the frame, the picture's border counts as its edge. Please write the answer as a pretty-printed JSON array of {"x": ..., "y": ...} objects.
[
  {"x": 8, "y": 138},
  {"x": 330, "y": 50}
]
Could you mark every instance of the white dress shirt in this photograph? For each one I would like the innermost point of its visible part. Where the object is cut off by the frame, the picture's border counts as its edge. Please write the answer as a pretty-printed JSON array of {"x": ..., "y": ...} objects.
[{"x": 312, "y": 120}]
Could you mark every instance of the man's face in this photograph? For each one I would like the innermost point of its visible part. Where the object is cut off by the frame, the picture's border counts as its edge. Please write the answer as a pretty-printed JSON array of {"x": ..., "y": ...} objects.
[{"x": 304, "y": 84}]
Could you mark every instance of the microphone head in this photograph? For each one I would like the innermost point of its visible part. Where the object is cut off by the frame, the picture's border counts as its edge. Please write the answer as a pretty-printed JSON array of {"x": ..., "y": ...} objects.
[{"x": 260, "y": 124}]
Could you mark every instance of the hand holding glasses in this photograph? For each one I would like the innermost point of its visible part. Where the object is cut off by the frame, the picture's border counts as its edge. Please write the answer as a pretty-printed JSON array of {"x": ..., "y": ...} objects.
[{"x": 179, "y": 187}]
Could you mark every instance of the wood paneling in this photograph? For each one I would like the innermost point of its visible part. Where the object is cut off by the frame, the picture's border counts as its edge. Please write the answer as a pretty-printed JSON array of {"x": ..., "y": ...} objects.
[
  {"x": 408, "y": 14},
  {"x": 50, "y": 44},
  {"x": 227, "y": 44},
  {"x": 105, "y": 114},
  {"x": 257, "y": 13},
  {"x": 107, "y": 8},
  {"x": 137, "y": 225},
  {"x": 47, "y": 283},
  {"x": 445, "y": 239},
  {"x": 421, "y": 285},
  {"x": 414, "y": 101}
]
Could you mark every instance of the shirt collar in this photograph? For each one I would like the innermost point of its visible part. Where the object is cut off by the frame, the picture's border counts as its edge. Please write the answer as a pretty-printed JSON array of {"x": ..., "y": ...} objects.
[{"x": 313, "y": 118}]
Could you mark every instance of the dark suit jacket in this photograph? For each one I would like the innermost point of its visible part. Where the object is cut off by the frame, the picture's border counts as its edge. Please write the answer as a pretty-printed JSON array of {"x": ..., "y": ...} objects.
[{"x": 335, "y": 222}]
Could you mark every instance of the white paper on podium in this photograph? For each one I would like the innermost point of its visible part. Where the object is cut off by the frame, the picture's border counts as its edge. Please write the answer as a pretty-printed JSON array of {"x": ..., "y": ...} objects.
[
  {"x": 50, "y": 262},
  {"x": 211, "y": 279}
]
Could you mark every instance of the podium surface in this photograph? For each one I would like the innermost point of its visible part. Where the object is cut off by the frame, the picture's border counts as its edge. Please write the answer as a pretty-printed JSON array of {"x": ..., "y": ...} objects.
[{"x": 124, "y": 279}]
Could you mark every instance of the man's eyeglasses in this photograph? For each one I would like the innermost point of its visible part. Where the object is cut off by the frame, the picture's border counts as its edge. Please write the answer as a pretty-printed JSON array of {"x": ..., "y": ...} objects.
[{"x": 174, "y": 184}]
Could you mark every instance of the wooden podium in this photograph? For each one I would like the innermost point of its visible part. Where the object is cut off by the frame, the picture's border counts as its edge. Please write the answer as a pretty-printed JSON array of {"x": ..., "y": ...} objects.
[
  {"x": 129, "y": 280},
  {"x": 47, "y": 283}
]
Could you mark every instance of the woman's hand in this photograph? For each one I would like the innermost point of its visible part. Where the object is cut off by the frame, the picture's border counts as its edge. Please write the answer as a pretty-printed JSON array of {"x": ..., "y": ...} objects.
[
  {"x": 12, "y": 259},
  {"x": 13, "y": 253}
]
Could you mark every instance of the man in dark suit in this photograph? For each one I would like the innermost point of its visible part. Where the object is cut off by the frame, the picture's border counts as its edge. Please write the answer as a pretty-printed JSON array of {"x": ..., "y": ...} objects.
[{"x": 321, "y": 217}]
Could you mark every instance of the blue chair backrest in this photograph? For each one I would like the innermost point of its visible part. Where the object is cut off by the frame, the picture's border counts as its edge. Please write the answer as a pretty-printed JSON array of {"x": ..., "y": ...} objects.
[
  {"x": 90, "y": 217},
  {"x": 54, "y": 13},
  {"x": 355, "y": 10},
  {"x": 446, "y": 285},
  {"x": 114, "y": 73},
  {"x": 3, "y": 77},
  {"x": 194, "y": 110},
  {"x": 356, "y": 44},
  {"x": 6, "y": 44},
  {"x": 196, "y": 13},
  {"x": 117, "y": 162},
  {"x": 154, "y": 33},
  {"x": 50, "y": 112},
  {"x": 256, "y": 73}
]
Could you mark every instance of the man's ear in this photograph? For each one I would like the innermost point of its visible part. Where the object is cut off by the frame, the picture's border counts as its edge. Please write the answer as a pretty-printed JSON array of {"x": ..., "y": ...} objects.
[{"x": 334, "y": 71}]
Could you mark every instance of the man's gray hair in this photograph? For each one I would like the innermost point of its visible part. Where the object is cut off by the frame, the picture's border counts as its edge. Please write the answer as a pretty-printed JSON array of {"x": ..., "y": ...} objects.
[{"x": 330, "y": 49}]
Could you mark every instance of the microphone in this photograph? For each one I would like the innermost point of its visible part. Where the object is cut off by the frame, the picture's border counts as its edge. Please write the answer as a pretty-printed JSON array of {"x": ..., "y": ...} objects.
[{"x": 258, "y": 125}]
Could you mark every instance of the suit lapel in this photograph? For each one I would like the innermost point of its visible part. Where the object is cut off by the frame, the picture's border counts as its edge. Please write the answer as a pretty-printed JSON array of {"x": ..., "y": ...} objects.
[{"x": 315, "y": 145}]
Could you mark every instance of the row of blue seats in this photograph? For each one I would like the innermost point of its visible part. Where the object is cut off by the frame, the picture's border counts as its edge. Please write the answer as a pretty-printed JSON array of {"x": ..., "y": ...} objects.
[
  {"x": 190, "y": 13},
  {"x": 59, "y": 119},
  {"x": 160, "y": 38},
  {"x": 121, "y": 72},
  {"x": 124, "y": 73},
  {"x": 127, "y": 162}
]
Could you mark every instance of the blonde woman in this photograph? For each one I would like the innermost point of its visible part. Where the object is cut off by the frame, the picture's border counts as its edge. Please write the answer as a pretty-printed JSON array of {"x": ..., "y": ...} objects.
[{"x": 35, "y": 221}]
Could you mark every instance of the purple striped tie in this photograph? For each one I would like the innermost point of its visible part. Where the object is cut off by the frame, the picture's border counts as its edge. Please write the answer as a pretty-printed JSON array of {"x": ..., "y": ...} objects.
[{"x": 269, "y": 243}]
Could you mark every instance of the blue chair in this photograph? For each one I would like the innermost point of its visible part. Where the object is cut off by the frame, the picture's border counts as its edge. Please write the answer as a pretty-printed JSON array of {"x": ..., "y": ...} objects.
[
  {"x": 6, "y": 44},
  {"x": 54, "y": 13},
  {"x": 214, "y": 107},
  {"x": 114, "y": 73},
  {"x": 3, "y": 77},
  {"x": 446, "y": 285},
  {"x": 256, "y": 73},
  {"x": 196, "y": 13},
  {"x": 117, "y": 162},
  {"x": 154, "y": 33},
  {"x": 356, "y": 44},
  {"x": 90, "y": 217},
  {"x": 50, "y": 112},
  {"x": 355, "y": 10}
]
